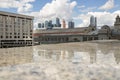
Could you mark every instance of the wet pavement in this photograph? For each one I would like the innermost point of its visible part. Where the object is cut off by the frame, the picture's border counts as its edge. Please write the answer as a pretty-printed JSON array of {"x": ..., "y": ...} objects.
[{"x": 67, "y": 61}]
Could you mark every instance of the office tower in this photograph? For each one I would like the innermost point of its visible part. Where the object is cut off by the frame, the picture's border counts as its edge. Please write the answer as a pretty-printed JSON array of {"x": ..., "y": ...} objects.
[
  {"x": 15, "y": 29},
  {"x": 39, "y": 25},
  {"x": 58, "y": 22},
  {"x": 43, "y": 26},
  {"x": 71, "y": 24},
  {"x": 46, "y": 24},
  {"x": 50, "y": 25},
  {"x": 64, "y": 23},
  {"x": 93, "y": 21}
]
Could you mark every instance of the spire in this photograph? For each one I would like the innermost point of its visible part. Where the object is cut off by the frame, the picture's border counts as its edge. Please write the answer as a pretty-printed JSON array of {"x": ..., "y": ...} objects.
[{"x": 117, "y": 16}]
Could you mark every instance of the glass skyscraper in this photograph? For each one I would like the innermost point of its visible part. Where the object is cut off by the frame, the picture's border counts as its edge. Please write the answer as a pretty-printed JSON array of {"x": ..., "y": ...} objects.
[{"x": 58, "y": 22}]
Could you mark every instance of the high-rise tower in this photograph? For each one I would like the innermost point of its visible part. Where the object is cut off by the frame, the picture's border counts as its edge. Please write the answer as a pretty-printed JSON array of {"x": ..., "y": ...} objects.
[
  {"x": 93, "y": 21},
  {"x": 39, "y": 25},
  {"x": 58, "y": 22},
  {"x": 117, "y": 23},
  {"x": 64, "y": 23},
  {"x": 71, "y": 24}
]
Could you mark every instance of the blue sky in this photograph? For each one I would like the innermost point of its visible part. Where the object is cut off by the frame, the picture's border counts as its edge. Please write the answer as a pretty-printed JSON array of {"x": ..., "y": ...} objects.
[{"x": 77, "y": 10}]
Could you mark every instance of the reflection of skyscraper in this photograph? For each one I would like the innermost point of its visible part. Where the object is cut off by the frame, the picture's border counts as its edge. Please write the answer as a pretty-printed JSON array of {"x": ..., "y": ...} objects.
[
  {"x": 58, "y": 22},
  {"x": 70, "y": 24},
  {"x": 64, "y": 24},
  {"x": 93, "y": 21}
]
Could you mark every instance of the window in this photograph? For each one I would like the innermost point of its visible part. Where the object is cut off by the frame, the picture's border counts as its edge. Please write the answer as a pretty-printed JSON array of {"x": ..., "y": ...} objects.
[{"x": 1, "y": 36}]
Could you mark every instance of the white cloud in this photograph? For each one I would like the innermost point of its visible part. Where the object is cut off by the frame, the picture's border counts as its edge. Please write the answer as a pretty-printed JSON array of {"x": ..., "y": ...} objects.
[
  {"x": 103, "y": 18},
  {"x": 22, "y": 6},
  {"x": 82, "y": 6},
  {"x": 87, "y": 9},
  {"x": 57, "y": 8},
  {"x": 108, "y": 5}
]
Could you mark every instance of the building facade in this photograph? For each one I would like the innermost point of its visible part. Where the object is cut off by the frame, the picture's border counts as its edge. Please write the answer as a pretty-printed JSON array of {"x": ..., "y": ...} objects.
[
  {"x": 39, "y": 25},
  {"x": 71, "y": 24},
  {"x": 58, "y": 22},
  {"x": 78, "y": 34},
  {"x": 64, "y": 23},
  {"x": 15, "y": 30},
  {"x": 117, "y": 23},
  {"x": 62, "y": 35}
]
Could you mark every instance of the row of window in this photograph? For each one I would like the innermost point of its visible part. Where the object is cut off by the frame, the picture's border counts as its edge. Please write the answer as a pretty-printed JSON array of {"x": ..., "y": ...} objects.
[
  {"x": 16, "y": 37},
  {"x": 54, "y": 39}
]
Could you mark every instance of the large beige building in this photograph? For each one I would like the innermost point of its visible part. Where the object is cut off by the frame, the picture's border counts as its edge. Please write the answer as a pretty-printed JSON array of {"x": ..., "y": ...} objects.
[{"x": 15, "y": 29}]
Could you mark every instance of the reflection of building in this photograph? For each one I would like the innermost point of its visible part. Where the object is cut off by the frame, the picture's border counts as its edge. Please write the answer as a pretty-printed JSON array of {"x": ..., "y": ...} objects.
[
  {"x": 82, "y": 57},
  {"x": 117, "y": 56},
  {"x": 40, "y": 55},
  {"x": 15, "y": 56},
  {"x": 15, "y": 29}
]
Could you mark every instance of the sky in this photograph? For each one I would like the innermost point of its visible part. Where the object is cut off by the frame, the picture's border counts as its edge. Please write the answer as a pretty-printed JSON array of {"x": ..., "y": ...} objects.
[{"x": 77, "y": 10}]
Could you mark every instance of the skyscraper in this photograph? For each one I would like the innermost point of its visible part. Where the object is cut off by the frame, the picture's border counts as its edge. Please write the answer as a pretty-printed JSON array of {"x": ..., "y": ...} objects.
[
  {"x": 42, "y": 25},
  {"x": 64, "y": 24},
  {"x": 39, "y": 25},
  {"x": 50, "y": 25},
  {"x": 93, "y": 21},
  {"x": 58, "y": 22},
  {"x": 71, "y": 24},
  {"x": 46, "y": 24}
]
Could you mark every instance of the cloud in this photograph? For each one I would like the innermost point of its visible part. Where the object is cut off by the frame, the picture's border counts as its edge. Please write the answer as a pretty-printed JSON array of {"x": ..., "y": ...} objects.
[
  {"x": 22, "y": 6},
  {"x": 82, "y": 6},
  {"x": 103, "y": 18},
  {"x": 57, "y": 8},
  {"x": 87, "y": 9},
  {"x": 108, "y": 5}
]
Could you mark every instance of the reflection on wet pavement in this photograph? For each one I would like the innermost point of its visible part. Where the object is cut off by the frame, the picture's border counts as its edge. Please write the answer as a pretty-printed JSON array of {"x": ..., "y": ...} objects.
[{"x": 72, "y": 61}]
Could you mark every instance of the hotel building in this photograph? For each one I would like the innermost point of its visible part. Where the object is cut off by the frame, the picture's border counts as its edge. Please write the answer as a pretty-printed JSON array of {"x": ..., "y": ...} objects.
[{"x": 15, "y": 29}]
